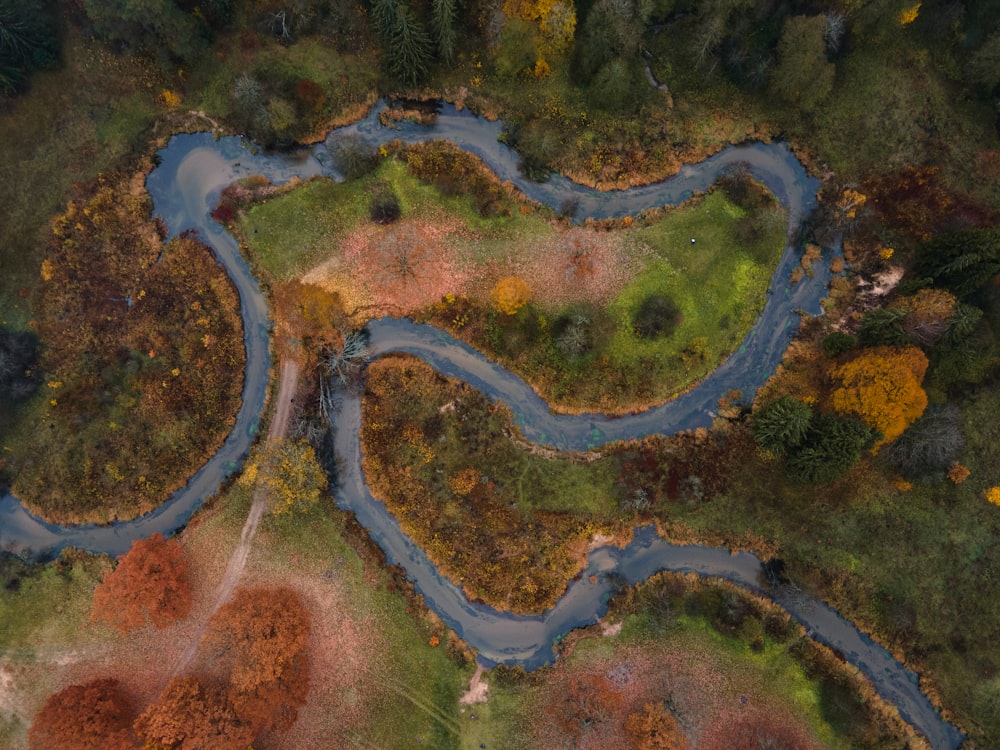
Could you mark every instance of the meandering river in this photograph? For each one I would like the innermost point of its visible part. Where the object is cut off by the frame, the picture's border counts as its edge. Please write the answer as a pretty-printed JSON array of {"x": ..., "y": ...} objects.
[{"x": 186, "y": 183}]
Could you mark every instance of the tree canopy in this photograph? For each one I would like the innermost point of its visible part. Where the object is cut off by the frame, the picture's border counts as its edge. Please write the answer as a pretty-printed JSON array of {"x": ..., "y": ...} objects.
[
  {"x": 781, "y": 425},
  {"x": 963, "y": 261},
  {"x": 257, "y": 644},
  {"x": 149, "y": 584},
  {"x": 29, "y": 40},
  {"x": 803, "y": 76},
  {"x": 94, "y": 716},
  {"x": 288, "y": 472},
  {"x": 190, "y": 715},
  {"x": 882, "y": 387}
]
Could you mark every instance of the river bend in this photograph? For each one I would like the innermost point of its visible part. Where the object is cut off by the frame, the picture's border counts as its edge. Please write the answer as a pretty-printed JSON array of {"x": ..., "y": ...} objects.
[{"x": 186, "y": 183}]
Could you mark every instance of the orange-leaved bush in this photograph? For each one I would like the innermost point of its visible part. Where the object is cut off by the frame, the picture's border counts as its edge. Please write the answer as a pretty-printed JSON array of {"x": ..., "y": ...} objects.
[
  {"x": 259, "y": 642},
  {"x": 655, "y": 728},
  {"x": 192, "y": 714},
  {"x": 150, "y": 582},
  {"x": 510, "y": 294},
  {"x": 95, "y": 716},
  {"x": 882, "y": 387}
]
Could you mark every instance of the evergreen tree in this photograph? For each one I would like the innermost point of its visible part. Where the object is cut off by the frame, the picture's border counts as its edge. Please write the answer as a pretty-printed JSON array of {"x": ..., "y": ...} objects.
[
  {"x": 29, "y": 41},
  {"x": 781, "y": 425}
]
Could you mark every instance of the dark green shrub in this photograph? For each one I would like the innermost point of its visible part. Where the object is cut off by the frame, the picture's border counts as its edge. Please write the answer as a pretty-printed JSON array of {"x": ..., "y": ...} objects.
[
  {"x": 384, "y": 207},
  {"x": 883, "y": 327},
  {"x": 781, "y": 425},
  {"x": 837, "y": 343},
  {"x": 832, "y": 446},
  {"x": 657, "y": 317},
  {"x": 929, "y": 445}
]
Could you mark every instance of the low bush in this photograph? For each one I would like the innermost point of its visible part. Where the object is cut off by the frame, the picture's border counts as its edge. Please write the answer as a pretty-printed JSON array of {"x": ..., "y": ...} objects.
[{"x": 657, "y": 317}]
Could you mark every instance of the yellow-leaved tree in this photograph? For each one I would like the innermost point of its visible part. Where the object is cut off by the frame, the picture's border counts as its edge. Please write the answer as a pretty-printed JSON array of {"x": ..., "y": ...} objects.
[
  {"x": 555, "y": 19},
  {"x": 289, "y": 473},
  {"x": 510, "y": 294},
  {"x": 882, "y": 387}
]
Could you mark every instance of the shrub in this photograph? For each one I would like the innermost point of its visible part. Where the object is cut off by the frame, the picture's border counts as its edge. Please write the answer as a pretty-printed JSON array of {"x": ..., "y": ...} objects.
[
  {"x": 384, "y": 207},
  {"x": 832, "y": 446},
  {"x": 657, "y": 317},
  {"x": 510, "y": 294},
  {"x": 837, "y": 343},
  {"x": 353, "y": 156},
  {"x": 781, "y": 425},
  {"x": 930, "y": 445}
]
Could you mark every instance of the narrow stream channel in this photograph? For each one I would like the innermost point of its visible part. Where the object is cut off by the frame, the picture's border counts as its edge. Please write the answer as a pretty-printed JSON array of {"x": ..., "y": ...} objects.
[{"x": 187, "y": 182}]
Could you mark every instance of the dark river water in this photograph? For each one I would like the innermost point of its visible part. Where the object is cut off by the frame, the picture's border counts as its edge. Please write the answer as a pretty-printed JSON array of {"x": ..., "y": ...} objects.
[{"x": 186, "y": 184}]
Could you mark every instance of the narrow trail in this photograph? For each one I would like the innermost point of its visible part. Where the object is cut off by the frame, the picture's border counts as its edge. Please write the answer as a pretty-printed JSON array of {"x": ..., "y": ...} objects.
[{"x": 238, "y": 560}]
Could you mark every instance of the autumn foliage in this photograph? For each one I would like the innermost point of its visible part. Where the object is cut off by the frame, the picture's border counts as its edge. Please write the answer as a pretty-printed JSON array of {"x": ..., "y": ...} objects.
[
  {"x": 258, "y": 646},
  {"x": 288, "y": 472},
  {"x": 655, "y": 728},
  {"x": 882, "y": 387},
  {"x": 143, "y": 356},
  {"x": 190, "y": 715},
  {"x": 588, "y": 704},
  {"x": 927, "y": 314},
  {"x": 255, "y": 676},
  {"x": 95, "y": 716},
  {"x": 510, "y": 294},
  {"x": 149, "y": 584}
]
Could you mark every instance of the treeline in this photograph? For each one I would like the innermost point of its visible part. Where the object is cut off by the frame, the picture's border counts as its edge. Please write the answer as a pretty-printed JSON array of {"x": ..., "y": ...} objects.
[{"x": 142, "y": 359}]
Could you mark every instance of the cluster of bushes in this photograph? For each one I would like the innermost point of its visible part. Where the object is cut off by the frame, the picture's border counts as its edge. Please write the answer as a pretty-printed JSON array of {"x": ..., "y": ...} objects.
[
  {"x": 143, "y": 362},
  {"x": 847, "y": 701},
  {"x": 456, "y": 172},
  {"x": 502, "y": 522}
]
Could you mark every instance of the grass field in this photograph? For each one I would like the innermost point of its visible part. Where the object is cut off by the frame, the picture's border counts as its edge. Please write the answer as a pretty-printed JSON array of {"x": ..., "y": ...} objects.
[
  {"x": 594, "y": 279},
  {"x": 713, "y": 682}
]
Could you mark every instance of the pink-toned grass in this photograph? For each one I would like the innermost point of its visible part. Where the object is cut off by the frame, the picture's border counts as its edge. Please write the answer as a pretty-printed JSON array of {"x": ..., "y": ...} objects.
[
  {"x": 713, "y": 702},
  {"x": 578, "y": 264},
  {"x": 404, "y": 266}
]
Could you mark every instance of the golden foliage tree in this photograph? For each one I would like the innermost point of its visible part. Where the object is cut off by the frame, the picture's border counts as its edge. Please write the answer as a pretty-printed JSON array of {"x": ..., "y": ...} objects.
[
  {"x": 555, "y": 19},
  {"x": 882, "y": 387},
  {"x": 655, "y": 728},
  {"x": 309, "y": 313},
  {"x": 94, "y": 716},
  {"x": 149, "y": 584},
  {"x": 289, "y": 473},
  {"x": 510, "y": 294}
]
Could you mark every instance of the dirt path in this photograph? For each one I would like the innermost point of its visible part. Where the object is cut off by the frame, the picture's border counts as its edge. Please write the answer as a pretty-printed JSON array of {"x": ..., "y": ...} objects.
[{"x": 238, "y": 560}]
